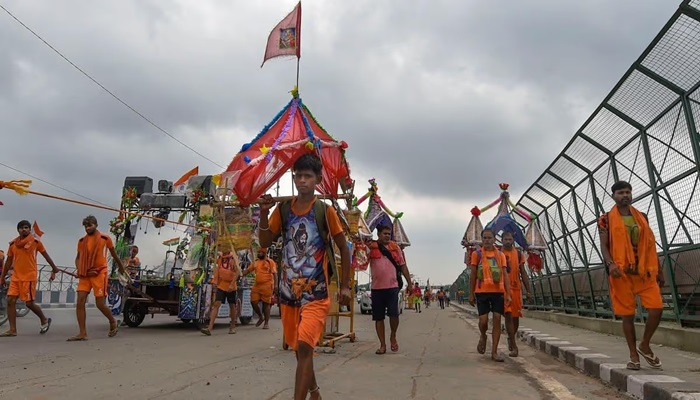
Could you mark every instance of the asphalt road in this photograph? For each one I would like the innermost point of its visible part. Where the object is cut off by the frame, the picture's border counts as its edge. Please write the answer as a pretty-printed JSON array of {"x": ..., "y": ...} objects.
[{"x": 164, "y": 358}]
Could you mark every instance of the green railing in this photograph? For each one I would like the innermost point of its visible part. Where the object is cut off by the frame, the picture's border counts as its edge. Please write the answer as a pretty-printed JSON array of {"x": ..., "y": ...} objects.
[{"x": 645, "y": 132}]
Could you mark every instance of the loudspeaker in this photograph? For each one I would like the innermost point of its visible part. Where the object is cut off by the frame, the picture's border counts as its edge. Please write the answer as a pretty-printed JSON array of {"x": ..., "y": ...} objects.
[
  {"x": 155, "y": 200},
  {"x": 165, "y": 186},
  {"x": 202, "y": 182},
  {"x": 142, "y": 184}
]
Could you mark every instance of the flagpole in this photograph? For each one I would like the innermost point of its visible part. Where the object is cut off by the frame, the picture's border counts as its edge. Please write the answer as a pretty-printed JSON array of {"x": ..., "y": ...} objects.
[{"x": 297, "y": 86}]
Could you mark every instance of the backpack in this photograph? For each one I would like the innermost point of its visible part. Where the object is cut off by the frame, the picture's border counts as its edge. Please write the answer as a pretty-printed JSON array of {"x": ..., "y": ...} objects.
[
  {"x": 321, "y": 224},
  {"x": 480, "y": 268}
]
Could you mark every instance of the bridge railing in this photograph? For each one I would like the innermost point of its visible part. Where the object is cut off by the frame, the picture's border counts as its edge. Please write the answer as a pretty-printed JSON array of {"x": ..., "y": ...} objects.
[{"x": 645, "y": 132}]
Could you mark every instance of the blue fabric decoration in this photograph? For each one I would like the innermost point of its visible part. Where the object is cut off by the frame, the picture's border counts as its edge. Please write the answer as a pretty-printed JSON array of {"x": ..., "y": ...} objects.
[
  {"x": 507, "y": 223},
  {"x": 246, "y": 159},
  {"x": 309, "y": 132},
  {"x": 266, "y": 128}
]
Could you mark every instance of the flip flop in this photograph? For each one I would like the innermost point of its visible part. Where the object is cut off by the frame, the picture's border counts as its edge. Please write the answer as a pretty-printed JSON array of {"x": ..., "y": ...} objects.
[
  {"x": 380, "y": 351},
  {"x": 45, "y": 328},
  {"x": 113, "y": 332},
  {"x": 77, "y": 339},
  {"x": 232, "y": 330},
  {"x": 481, "y": 347},
  {"x": 513, "y": 353},
  {"x": 266, "y": 327},
  {"x": 497, "y": 358},
  {"x": 205, "y": 331},
  {"x": 8, "y": 334},
  {"x": 651, "y": 359},
  {"x": 634, "y": 365},
  {"x": 394, "y": 346}
]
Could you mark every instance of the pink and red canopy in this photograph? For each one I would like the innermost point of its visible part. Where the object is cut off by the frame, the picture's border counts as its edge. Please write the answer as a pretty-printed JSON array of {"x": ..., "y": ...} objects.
[{"x": 293, "y": 132}]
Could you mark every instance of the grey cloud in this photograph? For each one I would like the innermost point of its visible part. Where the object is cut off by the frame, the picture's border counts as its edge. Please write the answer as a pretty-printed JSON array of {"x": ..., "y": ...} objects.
[{"x": 384, "y": 76}]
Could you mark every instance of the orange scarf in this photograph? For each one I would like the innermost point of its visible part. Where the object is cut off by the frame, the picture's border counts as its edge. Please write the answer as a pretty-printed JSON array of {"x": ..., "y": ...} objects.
[
  {"x": 23, "y": 244},
  {"x": 621, "y": 250},
  {"x": 86, "y": 260}
]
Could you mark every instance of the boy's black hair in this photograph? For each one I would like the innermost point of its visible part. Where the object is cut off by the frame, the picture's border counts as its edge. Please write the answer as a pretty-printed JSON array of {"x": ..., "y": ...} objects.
[
  {"x": 380, "y": 228},
  {"x": 507, "y": 233},
  {"x": 308, "y": 162},
  {"x": 23, "y": 223},
  {"x": 621, "y": 185}
]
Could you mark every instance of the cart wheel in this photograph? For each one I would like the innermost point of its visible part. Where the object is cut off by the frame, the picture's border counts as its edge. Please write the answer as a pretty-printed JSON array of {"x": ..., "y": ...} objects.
[
  {"x": 245, "y": 320},
  {"x": 133, "y": 314},
  {"x": 353, "y": 339}
]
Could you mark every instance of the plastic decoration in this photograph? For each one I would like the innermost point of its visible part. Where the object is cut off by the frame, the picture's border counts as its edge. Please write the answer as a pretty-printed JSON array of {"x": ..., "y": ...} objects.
[
  {"x": 475, "y": 211},
  {"x": 285, "y": 130}
]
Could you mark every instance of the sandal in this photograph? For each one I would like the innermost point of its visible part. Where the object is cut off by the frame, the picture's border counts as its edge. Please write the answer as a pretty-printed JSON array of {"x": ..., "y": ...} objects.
[
  {"x": 113, "y": 331},
  {"x": 77, "y": 339},
  {"x": 394, "y": 346},
  {"x": 8, "y": 334},
  {"x": 380, "y": 351},
  {"x": 45, "y": 328},
  {"x": 497, "y": 358},
  {"x": 651, "y": 359},
  {"x": 481, "y": 347},
  {"x": 205, "y": 331},
  {"x": 634, "y": 365},
  {"x": 232, "y": 330},
  {"x": 513, "y": 353},
  {"x": 266, "y": 326}
]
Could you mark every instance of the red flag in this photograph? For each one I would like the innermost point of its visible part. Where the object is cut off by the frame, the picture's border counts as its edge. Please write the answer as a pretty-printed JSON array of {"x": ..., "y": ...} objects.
[
  {"x": 38, "y": 232},
  {"x": 285, "y": 38}
]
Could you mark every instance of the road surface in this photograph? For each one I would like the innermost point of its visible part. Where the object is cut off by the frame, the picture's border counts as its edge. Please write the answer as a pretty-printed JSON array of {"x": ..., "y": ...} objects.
[{"x": 164, "y": 358}]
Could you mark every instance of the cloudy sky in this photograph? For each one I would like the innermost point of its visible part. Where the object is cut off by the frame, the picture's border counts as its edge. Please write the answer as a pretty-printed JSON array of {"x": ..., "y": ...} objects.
[{"x": 439, "y": 100}]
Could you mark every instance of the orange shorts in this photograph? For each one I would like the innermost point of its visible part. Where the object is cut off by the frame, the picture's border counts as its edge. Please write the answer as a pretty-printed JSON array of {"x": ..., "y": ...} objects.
[
  {"x": 516, "y": 303},
  {"x": 261, "y": 293},
  {"x": 97, "y": 283},
  {"x": 305, "y": 323},
  {"x": 623, "y": 291},
  {"x": 25, "y": 290}
]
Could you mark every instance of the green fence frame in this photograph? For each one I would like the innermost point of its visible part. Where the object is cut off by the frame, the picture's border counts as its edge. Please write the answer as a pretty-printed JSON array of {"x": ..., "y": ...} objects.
[{"x": 646, "y": 132}]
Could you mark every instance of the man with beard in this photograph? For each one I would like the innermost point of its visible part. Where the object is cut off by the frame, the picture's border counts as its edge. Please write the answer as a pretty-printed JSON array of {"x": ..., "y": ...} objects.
[{"x": 629, "y": 252}]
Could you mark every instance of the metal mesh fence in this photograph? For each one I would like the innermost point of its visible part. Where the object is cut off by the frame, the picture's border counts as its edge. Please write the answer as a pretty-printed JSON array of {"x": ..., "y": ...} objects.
[{"x": 644, "y": 132}]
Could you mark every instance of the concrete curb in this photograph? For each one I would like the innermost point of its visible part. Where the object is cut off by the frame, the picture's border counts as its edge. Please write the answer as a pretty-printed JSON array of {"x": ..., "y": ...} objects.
[
  {"x": 47, "y": 306},
  {"x": 645, "y": 384}
]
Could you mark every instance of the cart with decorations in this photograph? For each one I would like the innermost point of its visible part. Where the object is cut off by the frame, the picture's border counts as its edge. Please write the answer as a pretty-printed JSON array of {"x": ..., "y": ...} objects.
[
  {"x": 180, "y": 286},
  {"x": 263, "y": 161}
]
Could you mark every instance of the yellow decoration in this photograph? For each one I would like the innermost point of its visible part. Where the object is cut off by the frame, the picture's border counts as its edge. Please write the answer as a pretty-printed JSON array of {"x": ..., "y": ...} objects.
[
  {"x": 216, "y": 179},
  {"x": 310, "y": 145},
  {"x": 264, "y": 149},
  {"x": 19, "y": 186},
  {"x": 295, "y": 92}
]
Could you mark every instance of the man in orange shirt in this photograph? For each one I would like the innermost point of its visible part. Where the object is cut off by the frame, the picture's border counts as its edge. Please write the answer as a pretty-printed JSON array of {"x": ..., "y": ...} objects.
[
  {"x": 489, "y": 290},
  {"x": 629, "y": 251},
  {"x": 21, "y": 256},
  {"x": 306, "y": 266},
  {"x": 265, "y": 284},
  {"x": 516, "y": 272},
  {"x": 91, "y": 266}
]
